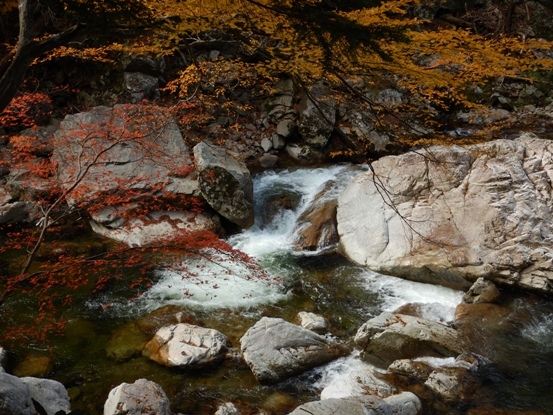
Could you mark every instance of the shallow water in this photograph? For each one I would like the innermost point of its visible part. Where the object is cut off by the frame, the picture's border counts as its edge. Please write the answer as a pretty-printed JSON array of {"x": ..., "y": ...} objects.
[{"x": 230, "y": 298}]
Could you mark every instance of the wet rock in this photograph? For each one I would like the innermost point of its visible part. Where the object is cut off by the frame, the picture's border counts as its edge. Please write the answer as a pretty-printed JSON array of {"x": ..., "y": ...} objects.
[
  {"x": 483, "y": 326},
  {"x": 316, "y": 226},
  {"x": 279, "y": 403},
  {"x": 411, "y": 368},
  {"x": 34, "y": 365},
  {"x": 403, "y": 404},
  {"x": 313, "y": 322},
  {"x": 225, "y": 183},
  {"x": 165, "y": 316},
  {"x": 227, "y": 408},
  {"x": 185, "y": 345},
  {"x": 458, "y": 382},
  {"x": 364, "y": 382},
  {"x": 50, "y": 395},
  {"x": 275, "y": 204},
  {"x": 142, "y": 397},
  {"x": 126, "y": 342},
  {"x": 389, "y": 337},
  {"x": 276, "y": 350},
  {"x": 417, "y": 220},
  {"x": 268, "y": 160},
  {"x": 482, "y": 291}
]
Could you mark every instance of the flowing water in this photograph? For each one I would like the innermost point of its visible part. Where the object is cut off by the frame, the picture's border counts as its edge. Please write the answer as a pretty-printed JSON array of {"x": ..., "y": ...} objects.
[{"x": 230, "y": 297}]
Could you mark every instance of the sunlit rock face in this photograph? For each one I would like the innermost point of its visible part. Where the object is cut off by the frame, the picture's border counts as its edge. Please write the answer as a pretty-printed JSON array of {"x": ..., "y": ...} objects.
[
  {"x": 449, "y": 215},
  {"x": 276, "y": 350}
]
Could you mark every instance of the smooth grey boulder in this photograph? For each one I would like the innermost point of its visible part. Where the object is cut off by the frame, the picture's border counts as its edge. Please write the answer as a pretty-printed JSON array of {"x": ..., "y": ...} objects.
[
  {"x": 15, "y": 397},
  {"x": 186, "y": 345},
  {"x": 389, "y": 337},
  {"x": 225, "y": 183},
  {"x": 50, "y": 394},
  {"x": 142, "y": 397},
  {"x": 313, "y": 322},
  {"x": 405, "y": 403},
  {"x": 276, "y": 350},
  {"x": 449, "y": 215}
]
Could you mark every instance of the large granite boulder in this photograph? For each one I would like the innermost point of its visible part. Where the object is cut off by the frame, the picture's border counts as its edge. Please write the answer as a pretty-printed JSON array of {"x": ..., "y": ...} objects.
[
  {"x": 276, "y": 350},
  {"x": 405, "y": 403},
  {"x": 51, "y": 395},
  {"x": 450, "y": 215},
  {"x": 186, "y": 345},
  {"x": 137, "y": 148},
  {"x": 142, "y": 397},
  {"x": 15, "y": 397},
  {"x": 225, "y": 183},
  {"x": 389, "y": 337},
  {"x": 123, "y": 161}
]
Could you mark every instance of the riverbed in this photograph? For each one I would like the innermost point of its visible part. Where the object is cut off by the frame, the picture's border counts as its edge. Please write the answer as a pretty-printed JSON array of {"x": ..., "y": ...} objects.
[{"x": 225, "y": 296}]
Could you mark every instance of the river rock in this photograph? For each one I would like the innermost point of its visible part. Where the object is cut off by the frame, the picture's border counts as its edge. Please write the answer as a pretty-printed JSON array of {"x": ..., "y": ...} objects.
[
  {"x": 359, "y": 383},
  {"x": 457, "y": 382},
  {"x": 51, "y": 395},
  {"x": 482, "y": 291},
  {"x": 276, "y": 350},
  {"x": 165, "y": 316},
  {"x": 142, "y": 397},
  {"x": 411, "y": 368},
  {"x": 227, "y": 408},
  {"x": 126, "y": 342},
  {"x": 114, "y": 161},
  {"x": 313, "y": 322},
  {"x": 157, "y": 227},
  {"x": 225, "y": 183},
  {"x": 414, "y": 215},
  {"x": 15, "y": 397},
  {"x": 186, "y": 345},
  {"x": 316, "y": 226},
  {"x": 405, "y": 403},
  {"x": 390, "y": 337}
]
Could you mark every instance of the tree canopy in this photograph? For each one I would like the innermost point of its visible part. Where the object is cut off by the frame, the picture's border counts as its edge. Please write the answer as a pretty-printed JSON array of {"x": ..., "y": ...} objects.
[{"x": 308, "y": 40}]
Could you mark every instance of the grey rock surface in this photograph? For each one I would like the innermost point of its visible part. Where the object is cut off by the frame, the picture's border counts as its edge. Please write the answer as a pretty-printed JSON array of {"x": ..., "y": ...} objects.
[
  {"x": 449, "y": 215},
  {"x": 276, "y": 350}
]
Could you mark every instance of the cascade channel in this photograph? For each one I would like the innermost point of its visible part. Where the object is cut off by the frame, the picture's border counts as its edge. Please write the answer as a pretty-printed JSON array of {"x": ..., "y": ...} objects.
[{"x": 230, "y": 298}]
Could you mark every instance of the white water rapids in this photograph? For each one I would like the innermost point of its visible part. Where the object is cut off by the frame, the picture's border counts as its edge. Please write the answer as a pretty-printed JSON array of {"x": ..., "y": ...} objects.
[{"x": 268, "y": 241}]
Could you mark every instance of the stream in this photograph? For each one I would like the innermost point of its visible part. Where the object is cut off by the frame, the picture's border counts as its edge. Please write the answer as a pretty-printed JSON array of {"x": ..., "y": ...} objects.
[{"x": 229, "y": 297}]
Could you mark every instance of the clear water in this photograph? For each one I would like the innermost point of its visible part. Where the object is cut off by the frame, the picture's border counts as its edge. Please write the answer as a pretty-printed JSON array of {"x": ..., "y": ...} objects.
[{"x": 231, "y": 298}]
